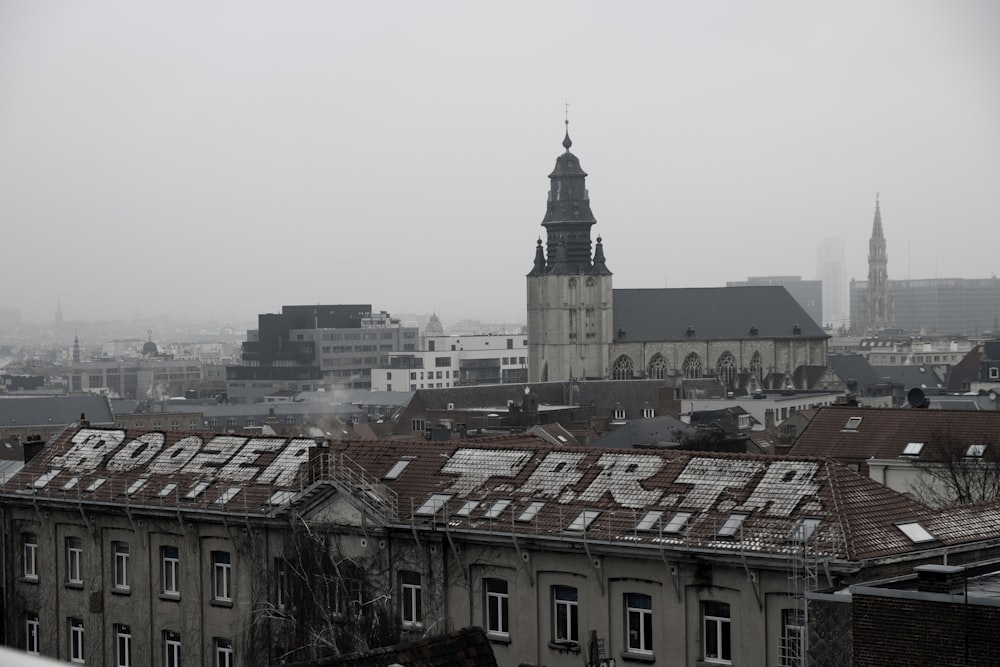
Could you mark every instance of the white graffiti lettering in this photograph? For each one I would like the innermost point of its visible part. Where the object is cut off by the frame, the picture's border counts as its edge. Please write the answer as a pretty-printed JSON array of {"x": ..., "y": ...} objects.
[
  {"x": 474, "y": 467},
  {"x": 710, "y": 477},
  {"x": 620, "y": 476},
  {"x": 137, "y": 452}
]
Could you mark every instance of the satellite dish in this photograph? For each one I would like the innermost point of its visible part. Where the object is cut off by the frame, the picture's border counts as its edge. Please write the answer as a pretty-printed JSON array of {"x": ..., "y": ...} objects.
[
  {"x": 993, "y": 396},
  {"x": 915, "y": 397}
]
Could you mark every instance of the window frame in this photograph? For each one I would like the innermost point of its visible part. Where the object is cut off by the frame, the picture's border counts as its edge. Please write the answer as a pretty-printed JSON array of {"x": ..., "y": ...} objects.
[
  {"x": 497, "y": 612},
  {"x": 170, "y": 569},
  {"x": 222, "y": 577},
  {"x": 791, "y": 643},
  {"x": 223, "y": 652},
  {"x": 29, "y": 556},
  {"x": 714, "y": 624},
  {"x": 120, "y": 556},
  {"x": 171, "y": 648},
  {"x": 123, "y": 645},
  {"x": 32, "y": 628},
  {"x": 565, "y": 615},
  {"x": 638, "y": 623},
  {"x": 74, "y": 561},
  {"x": 411, "y": 602},
  {"x": 77, "y": 642}
]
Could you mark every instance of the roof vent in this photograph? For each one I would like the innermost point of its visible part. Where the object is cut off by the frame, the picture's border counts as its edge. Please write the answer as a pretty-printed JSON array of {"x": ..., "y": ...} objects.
[
  {"x": 796, "y": 330},
  {"x": 690, "y": 332},
  {"x": 754, "y": 331}
]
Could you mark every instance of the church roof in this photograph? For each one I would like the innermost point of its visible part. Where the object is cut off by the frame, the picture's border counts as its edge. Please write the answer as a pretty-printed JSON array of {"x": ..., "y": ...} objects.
[{"x": 702, "y": 313}]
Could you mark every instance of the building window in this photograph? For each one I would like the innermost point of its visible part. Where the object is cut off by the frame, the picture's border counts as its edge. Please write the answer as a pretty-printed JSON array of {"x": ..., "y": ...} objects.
[
  {"x": 76, "y": 640},
  {"x": 279, "y": 582},
  {"x": 418, "y": 424},
  {"x": 622, "y": 369},
  {"x": 657, "y": 368},
  {"x": 718, "y": 647},
  {"x": 692, "y": 366},
  {"x": 411, "y": 611},
  {"x": 725, "y": 369},
  {"x": 792, "y": 641},
  {"x": 994, "y": 373},
  {"x": 565, "y": 617},
  {"x": 121, "y": 566},
  {"x": 29, "y": 542},
  {"x": 123, "y": 646},
  {"x": 221, "y": 576},
  {"x": 171, "y": 569},
  {"x": 74, "y": 560},
  {"x": 497, "y": 608},
  {"x": 639, "y": 623},
  {"x": 31, "y": 634},
  {"x": 223, "y": 652},
  {"x": 619, "y": 413},
  {"x": 171, "y": 649},
  {"x": 648, "y": 413},
  {"x": 756, "y": 367}
]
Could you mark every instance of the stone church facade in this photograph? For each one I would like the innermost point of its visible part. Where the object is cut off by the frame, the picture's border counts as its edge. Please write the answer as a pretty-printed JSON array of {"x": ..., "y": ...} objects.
[{"x": 579, "y": 327}]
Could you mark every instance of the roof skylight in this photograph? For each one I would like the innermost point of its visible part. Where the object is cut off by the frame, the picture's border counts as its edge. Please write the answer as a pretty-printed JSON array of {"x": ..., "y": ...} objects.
[
  {"x": 678, "y": 522},
  {"x": 96, "y": 484},
  {"x": 136, "y": 485},
  {"x": 71, "y": 484},
  {"x": 280, "y": 497},
  {"x": 167, "y": 490},
  {"x": 433, "y": 504},
  {"x": 975, "y": 451},
  {"x": 915, "y": 532},
  {"x": 228, "y": 494},
  {"x": 197, "y": 490},
  {"x": 398, "y": 467},
  {"x": 583, "y": 520},
  {"x": 45, "y": 479},
  {"x": 467, "y": 507},
  {"x": 732, "y": 525},
  {"x": 852, "y": 424},
  {"x": 497, "y": 509},
  {"x": 651, "y": 519},
  {"x": 913, "y": 448},
  {"x": 531, "y": 511}
]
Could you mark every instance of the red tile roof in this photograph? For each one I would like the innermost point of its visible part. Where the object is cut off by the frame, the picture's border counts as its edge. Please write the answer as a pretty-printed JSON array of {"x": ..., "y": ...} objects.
[{"x": 625, "y": 497}]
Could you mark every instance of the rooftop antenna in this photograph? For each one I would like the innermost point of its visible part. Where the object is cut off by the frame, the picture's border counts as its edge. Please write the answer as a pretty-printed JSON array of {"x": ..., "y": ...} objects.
[{"x": 567, "y": 142}]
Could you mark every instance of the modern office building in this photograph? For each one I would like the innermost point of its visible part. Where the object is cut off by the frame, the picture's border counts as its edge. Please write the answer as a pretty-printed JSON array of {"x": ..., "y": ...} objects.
[
  {"x": 830, "y": 272},
  {"x": 305, "y": 348},
  {"x": 943, "y": 306}
]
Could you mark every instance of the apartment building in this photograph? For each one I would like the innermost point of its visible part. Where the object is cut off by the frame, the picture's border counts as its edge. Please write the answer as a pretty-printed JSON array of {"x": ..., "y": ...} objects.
[{"x": 165, "y": 548}]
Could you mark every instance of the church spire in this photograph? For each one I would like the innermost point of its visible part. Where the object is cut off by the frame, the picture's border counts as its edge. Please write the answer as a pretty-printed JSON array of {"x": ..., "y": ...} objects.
[
  {"x": 879, "y": 313},
  {"x": 568, "y": 218}
]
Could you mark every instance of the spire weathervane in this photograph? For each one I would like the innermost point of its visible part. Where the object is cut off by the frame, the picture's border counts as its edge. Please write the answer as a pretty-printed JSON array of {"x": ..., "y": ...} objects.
[{"x": 567, "y": 143}]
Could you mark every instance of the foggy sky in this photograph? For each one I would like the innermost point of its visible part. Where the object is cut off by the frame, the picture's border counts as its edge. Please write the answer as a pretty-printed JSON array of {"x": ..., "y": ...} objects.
[{"x": 226, "y": 158}]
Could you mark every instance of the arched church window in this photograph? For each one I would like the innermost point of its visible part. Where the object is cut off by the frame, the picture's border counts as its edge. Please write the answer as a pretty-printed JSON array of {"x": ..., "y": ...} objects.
[
  {"x": 622, "y": 369},
  {"x": 725, "y": 369},
  {"x": 756, "y": 367},
  {"x": 657, "y": 367},
  {"x": 692, "y": 366}
]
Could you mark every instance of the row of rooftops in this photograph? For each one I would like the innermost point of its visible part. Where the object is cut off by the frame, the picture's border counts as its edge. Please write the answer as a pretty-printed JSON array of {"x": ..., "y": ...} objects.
[{"x": 516, "y": 484}]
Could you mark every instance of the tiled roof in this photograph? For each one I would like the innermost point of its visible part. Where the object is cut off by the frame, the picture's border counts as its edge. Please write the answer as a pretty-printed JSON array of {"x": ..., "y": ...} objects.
[
  {"x": 885, "y": 432},
  {"x": 502, "y": 485}
]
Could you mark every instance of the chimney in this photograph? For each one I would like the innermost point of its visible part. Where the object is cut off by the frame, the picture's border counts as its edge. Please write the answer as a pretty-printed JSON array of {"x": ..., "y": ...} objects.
[
  {"x": 944, "y": 579},
  {"x": 33, "y": 444},
  {"x": 84, "y": 423}
]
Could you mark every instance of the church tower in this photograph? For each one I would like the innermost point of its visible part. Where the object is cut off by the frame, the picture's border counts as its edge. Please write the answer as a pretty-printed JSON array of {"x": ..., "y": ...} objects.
[
  {"x": 879, "y": 308},
  {"x": 569, "y": 287}
]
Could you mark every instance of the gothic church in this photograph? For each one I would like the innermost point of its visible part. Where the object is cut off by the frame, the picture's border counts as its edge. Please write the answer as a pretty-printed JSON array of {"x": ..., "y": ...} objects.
[{"x": 753, "y": 337}]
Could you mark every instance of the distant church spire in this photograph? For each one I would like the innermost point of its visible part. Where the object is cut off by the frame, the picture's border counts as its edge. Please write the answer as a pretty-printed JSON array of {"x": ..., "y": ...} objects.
[
  {"x": 879, "y": 312},
  {"x": 76, "y": 348}
]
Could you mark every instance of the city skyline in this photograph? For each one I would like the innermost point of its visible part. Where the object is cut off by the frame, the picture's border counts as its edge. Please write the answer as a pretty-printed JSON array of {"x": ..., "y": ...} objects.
[{"x": 188, "y": 160}]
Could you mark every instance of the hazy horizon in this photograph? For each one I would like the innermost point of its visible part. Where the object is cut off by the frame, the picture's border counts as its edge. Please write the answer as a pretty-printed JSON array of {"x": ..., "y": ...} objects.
[{"x": 224, "y": 159}]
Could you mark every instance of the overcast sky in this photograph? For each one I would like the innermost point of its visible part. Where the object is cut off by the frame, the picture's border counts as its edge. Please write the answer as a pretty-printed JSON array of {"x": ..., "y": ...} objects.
[{"x": 226, "y": 158}]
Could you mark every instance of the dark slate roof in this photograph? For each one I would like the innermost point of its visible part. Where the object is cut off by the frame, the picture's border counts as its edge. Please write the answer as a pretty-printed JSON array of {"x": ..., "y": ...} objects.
[
  {"x": 921, "y": 377},
  {"x": 54, "y": 410},
  {"x": 854, "y": 367},
  {"x": 885, "y": 432},
  {"x": 663, "y": 431},
  {"x": 468, "y": 647},
  {"x": 713, "y": 312}
]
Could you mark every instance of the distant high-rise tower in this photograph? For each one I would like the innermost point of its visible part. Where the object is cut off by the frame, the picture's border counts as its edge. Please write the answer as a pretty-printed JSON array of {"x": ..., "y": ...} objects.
[
  {"x": 569, "y": 289},
  {"x": 76, "y": 349},
  {"x": 830, "y": 271},
  {"x": 879, "y": 308}
]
